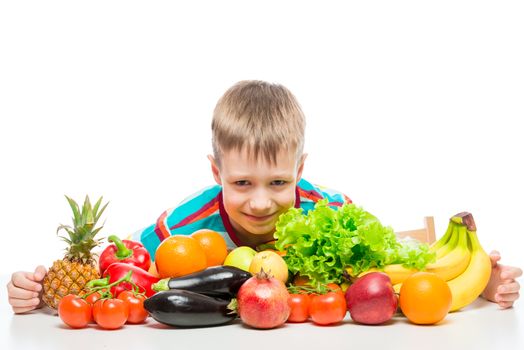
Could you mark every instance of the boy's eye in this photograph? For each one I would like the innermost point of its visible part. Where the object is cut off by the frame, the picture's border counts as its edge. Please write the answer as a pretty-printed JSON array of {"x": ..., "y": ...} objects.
[
  {"x": 242, "y": 183},
  {"x": 278, "y": 182}
]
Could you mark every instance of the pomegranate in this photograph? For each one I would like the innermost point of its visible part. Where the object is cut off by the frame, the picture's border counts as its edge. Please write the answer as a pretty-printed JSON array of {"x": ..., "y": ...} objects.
[{"x": 263, "y": 301}]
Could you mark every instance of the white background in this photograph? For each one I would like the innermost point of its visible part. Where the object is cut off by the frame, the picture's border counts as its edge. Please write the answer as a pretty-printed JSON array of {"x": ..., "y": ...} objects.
[{"x": 412, "y": 108}]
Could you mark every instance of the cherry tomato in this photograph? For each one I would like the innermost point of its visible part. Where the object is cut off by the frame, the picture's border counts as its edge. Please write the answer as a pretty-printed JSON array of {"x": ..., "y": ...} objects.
[
  {"x": 135, "y": 305},
  {"x": 329, "y": 308},
  {"x": 110, "y": 313},
  {"x": 299, "y": 304},
  {"x": 74, "y": 311},
  {"x": 92, "y": 298}
]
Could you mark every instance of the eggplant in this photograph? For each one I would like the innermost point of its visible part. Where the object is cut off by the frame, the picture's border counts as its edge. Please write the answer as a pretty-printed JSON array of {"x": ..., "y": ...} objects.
[
  {"x": 183, "y": 308},
  {"x": 216, "y": 281}
]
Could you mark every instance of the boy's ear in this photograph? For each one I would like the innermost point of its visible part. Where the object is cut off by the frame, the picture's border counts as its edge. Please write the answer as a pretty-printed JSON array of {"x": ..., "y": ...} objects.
[
  {"x": 215, "y": 169},
  {"x": 301, "y": 166}
]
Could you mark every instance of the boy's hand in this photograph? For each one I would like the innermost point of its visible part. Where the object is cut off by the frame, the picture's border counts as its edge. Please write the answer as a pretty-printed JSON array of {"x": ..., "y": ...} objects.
[
  {"x": 25, "y": 290},
  {"x": 502, "y": 287}
]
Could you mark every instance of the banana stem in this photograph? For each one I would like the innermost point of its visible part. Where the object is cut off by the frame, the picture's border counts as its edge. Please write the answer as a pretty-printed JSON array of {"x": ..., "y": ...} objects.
[{"x": 465, "y": 218}]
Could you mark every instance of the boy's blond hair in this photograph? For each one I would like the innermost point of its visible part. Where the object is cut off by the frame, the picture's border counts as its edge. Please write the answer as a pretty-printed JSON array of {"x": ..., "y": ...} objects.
[{"x": 262, "y": 117}]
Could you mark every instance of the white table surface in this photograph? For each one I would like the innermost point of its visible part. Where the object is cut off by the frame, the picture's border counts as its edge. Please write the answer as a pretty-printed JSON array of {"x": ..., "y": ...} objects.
[{"x": 481, "y": 325}]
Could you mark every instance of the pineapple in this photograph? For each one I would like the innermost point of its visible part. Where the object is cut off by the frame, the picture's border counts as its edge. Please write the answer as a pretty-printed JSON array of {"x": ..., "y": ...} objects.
[{"x": 70, "y": 275}]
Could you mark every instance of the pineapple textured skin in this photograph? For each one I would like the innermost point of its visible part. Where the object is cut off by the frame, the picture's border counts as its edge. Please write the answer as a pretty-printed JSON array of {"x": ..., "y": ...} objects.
[{"x": 67, "y": 277}]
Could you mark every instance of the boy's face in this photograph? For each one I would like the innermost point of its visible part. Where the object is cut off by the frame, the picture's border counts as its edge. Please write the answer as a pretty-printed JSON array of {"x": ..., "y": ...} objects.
[{"x": 256, "y": 192}]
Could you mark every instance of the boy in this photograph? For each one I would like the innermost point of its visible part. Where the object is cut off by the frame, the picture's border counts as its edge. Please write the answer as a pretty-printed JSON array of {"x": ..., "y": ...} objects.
[{"x": 257, "y": 163}]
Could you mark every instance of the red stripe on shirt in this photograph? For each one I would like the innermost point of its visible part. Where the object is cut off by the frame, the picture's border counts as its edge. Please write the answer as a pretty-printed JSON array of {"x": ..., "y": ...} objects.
[
  {"x": 205, "y": 213},
  {"x": 313, "y": 195},
  {"x": 160, "y": 229},
  {"x": 207, "y": 208}
]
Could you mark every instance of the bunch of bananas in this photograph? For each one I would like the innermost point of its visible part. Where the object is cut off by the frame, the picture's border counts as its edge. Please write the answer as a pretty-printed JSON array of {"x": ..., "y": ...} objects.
[{"x": 461, "y": 262}]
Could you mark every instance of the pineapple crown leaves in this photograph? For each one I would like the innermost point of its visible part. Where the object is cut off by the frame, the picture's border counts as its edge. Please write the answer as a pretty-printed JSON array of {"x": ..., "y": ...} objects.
[
  {"x": 88, "y": 215},
  {"x": 81, "y": 236}
]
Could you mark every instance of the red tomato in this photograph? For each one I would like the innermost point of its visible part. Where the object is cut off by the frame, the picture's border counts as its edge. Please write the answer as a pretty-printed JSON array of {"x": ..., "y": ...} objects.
[
  {"x": 110, "y": 313},
  {"x": 299, "y": 304},
  {"x": 329, "y": 308},
  {"x": 74, "y": 311},
  {"x": 135, "y": 305},
  {"x": 92, "y": 298}
]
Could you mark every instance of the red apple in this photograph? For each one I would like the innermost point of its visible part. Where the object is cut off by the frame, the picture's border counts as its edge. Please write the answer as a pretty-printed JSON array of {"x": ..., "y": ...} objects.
[{"x": 371, "y": 299}]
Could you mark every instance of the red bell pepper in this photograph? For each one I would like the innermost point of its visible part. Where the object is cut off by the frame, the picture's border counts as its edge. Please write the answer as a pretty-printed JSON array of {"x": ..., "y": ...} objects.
[
  {"x": 140, "y": 277},
  {"x": 124, "y": 251}
]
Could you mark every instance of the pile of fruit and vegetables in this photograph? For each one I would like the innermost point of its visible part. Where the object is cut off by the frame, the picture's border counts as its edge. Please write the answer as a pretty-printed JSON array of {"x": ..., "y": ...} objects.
[{"x": 323, "y": 264}]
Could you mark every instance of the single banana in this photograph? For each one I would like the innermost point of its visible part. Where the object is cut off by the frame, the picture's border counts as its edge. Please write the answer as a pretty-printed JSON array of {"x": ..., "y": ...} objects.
[
  {"x": 451, "y": 243},
  {"x": 456, "y": 261},
  {"x": 466, "y": 287},
  {"x": 398, "y": 273},
  {"x": 435, "y": 246}
]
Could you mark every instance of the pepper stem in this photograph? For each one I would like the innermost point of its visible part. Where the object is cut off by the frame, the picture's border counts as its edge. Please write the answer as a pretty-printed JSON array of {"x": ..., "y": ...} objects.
[
  {"x": 122, "y": 252},
  {"x": 103, "y": 284}
]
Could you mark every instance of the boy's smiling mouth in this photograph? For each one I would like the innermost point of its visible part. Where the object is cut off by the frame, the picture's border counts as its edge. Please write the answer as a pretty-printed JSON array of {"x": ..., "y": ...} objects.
[{"x": 259, "y": 218}]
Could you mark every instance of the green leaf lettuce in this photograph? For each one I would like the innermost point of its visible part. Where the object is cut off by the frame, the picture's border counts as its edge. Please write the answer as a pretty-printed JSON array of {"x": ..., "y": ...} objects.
[{"x": 323, "y": 243}]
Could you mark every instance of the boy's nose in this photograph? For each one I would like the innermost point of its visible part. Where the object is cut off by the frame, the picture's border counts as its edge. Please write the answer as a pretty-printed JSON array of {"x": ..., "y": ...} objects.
[{"x": 260, "y": 205}]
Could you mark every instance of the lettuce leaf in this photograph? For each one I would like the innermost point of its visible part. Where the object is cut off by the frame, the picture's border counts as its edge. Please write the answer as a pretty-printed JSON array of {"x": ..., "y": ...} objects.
[{"x": 324, "y": 242}]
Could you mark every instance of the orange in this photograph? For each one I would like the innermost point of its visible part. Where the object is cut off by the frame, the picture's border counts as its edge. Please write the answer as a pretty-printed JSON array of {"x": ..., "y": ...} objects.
[
  {"x": 179, "y": 256},
  {"x": 214, "y": 246},
  {"x": 425, "y": 298}
]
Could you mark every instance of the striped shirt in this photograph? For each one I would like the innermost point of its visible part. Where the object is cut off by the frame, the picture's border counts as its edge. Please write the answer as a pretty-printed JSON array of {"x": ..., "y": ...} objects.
[{"x": 205, "y": 210}]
